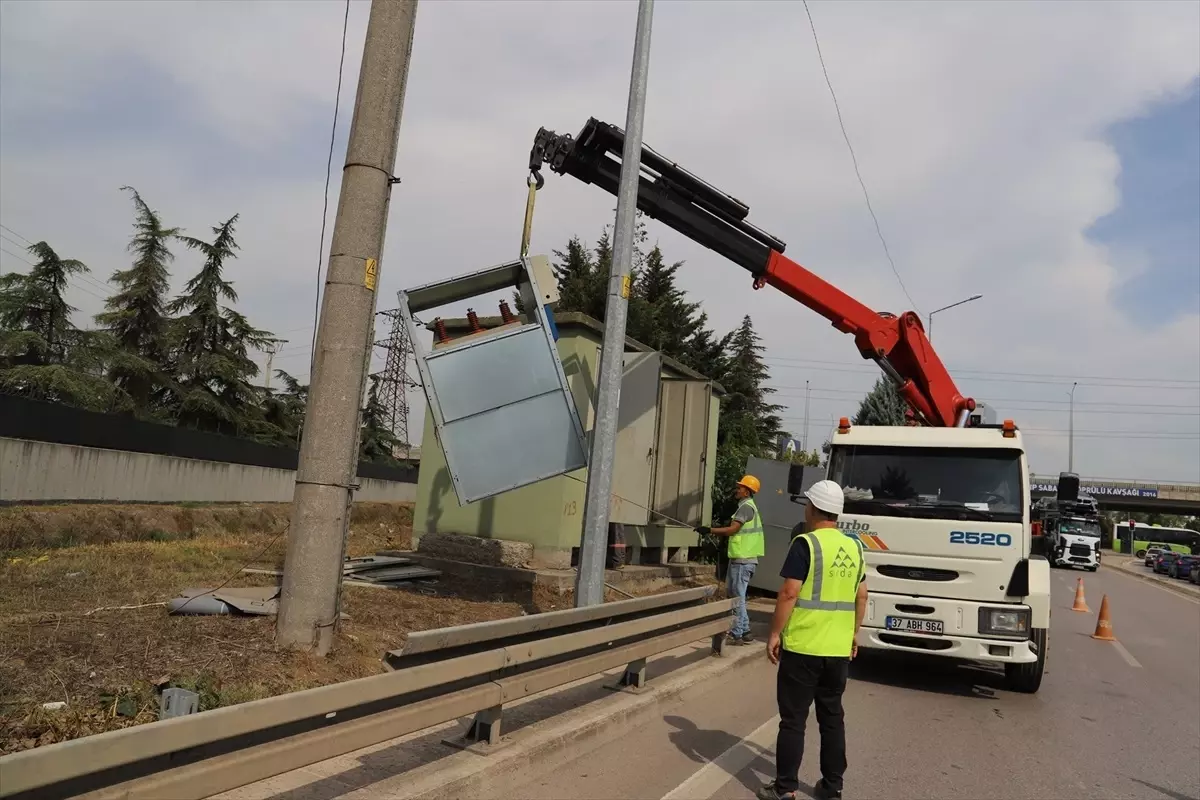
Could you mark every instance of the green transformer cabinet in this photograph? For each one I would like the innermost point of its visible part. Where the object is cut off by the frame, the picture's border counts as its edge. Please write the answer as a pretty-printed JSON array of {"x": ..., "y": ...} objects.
[{"x": 663, "y": 475}]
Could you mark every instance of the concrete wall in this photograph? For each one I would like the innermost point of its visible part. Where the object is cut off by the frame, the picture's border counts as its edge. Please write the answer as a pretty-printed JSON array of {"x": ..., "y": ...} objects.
[
  {"x": 33, "y": 471},
  {"x": 549, "y": 514}
]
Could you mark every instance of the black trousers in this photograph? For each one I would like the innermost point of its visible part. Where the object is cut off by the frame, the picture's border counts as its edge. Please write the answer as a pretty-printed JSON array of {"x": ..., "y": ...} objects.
[{"x": 801, "y": 680}]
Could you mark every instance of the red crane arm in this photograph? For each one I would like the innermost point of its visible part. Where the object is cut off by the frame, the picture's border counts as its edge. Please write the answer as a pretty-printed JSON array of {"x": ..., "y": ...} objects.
[
  {"x": 897, "y": 344},
  {"x": 688, "y": 204}
]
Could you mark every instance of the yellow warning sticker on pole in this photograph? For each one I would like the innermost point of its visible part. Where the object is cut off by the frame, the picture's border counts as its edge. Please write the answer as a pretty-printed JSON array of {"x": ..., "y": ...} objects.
[
  {"x": 626, "y": 282},
  {"x": 371, "y": 274}
]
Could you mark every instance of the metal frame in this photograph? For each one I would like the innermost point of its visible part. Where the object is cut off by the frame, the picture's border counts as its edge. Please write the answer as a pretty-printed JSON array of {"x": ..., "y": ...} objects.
[
  {"x": 519, "y": 274},
  {"x": 473, "y": 669}
]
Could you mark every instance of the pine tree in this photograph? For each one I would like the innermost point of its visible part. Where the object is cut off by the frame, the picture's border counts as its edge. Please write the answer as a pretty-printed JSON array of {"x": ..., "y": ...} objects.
[
  {"x": 285, "y": 409},
  {"x": 35, "y": 319},
  {"x": 882, "y": 405},
  {"x": 43, "y": 355},
  {"x": 749, "y": 420},
  {"x": 376, "y": 442},
  {"x": 580, "y": 287},
  {"x": 209, "y": 346},
  {"x": 668, "y": 320},
  {"x": 136, "y": 316}
]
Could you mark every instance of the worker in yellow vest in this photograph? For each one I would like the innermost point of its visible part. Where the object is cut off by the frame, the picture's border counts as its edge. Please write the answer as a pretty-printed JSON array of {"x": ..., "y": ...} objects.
[
  {"x": 818, "y": 612},
  {"x": 746, "y": 545}
]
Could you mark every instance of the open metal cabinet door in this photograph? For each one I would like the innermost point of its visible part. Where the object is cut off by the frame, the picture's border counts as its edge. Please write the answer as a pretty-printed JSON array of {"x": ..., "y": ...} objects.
[
  {"x": 683, "y": 416},
  {"x": 637, "y": 425},
  {"x": 501, "y": 405}
]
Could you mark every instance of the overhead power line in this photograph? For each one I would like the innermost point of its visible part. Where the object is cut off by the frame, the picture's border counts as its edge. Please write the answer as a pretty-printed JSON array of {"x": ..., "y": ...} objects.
[
  {"x": 14, "y": 233},
  {"x": 337, "y": 103},
  {"x": 866, "y": 368},
  {"x": 854, "y": 159}
]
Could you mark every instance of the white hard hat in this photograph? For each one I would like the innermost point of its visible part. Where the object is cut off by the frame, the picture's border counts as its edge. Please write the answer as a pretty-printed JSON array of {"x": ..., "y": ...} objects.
[{"x": 827, "y": 496}]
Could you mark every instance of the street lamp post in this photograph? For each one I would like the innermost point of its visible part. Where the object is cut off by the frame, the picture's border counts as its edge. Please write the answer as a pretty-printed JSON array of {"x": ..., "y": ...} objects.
[
  {"x": 929, "y": 326},
  {"x": 1071, "y": 431}
]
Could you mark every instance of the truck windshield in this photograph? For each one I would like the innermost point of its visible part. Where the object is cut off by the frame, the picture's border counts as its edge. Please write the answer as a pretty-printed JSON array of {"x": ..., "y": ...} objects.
[
  {"x": 932, "y": 483},
  {"x": 1080, "y": 527}
]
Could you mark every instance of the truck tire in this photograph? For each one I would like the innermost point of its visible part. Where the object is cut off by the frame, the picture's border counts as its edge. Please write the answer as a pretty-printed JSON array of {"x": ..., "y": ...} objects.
[
  {"x": 1027, "y": 678},
  {"x": 1141, "y": 554},
  {"x": 1093, "y": 569}
]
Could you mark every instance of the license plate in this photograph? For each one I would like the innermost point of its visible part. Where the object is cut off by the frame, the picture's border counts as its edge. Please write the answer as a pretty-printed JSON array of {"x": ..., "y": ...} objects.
[{"x": 910, "y": 625}]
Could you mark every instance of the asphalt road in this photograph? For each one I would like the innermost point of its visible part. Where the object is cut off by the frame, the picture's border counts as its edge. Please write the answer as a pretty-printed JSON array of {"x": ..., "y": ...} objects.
[{"x": 1111, "y": 721}]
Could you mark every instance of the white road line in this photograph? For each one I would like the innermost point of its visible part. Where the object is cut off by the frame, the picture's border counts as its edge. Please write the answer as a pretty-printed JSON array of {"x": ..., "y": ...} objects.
[
  {"x": 1128, "y": 656},
  {"x": 712, "y": 776}
]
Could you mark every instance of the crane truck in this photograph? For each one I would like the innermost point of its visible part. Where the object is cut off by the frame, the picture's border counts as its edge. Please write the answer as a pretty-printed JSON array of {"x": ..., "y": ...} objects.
[
  {"x": 1070, "y": 523},
  {"x": 941, "y": 506}
]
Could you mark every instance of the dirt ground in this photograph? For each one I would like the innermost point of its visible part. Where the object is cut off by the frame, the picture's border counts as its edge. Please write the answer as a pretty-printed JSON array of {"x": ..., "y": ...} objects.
[
  {"x": 82, "y": 620},
  {"x": 82, "y": 617}
]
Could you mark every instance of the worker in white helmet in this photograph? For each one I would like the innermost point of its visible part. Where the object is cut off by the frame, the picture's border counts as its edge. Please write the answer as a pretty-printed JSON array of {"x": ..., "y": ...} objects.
[{"x": 818, "y": 612}]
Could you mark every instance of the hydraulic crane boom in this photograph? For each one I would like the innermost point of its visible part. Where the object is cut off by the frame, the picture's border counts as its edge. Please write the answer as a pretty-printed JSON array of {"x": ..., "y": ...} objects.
[{"x": 708, "y": 216}]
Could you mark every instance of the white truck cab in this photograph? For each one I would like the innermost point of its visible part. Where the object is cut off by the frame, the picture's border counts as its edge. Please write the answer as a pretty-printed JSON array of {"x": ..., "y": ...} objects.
[
  {"x": 1074, "y": 542},
  {"x": 943, "y": 516}
]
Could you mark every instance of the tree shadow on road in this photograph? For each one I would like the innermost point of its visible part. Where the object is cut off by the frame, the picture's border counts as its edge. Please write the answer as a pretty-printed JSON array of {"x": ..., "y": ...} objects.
[
  {"x": 704, "y": 745},
  {"x": 927, "y": 674}
]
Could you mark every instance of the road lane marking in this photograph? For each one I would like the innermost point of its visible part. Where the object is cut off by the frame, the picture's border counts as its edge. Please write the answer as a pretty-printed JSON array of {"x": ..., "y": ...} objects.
[
  {"x": 1128, "y": 656},
  {"x": 712, "y": 776}
]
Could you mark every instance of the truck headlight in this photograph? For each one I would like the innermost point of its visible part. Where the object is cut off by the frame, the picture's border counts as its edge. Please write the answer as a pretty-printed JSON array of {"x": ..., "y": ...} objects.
[{"x": 1004, "y": 621}]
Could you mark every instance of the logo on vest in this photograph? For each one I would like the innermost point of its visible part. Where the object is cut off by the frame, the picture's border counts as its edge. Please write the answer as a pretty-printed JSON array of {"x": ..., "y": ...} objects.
[{"x": 843, "y": 565}]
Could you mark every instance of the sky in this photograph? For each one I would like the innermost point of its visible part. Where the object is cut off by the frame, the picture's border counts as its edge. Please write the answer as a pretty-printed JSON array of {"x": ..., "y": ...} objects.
[{"x": 1043, "y": 155}]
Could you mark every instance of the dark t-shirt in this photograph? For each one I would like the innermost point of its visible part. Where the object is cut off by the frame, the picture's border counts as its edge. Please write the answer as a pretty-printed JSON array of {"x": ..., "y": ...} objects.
[{"x": 795, "y": 566}]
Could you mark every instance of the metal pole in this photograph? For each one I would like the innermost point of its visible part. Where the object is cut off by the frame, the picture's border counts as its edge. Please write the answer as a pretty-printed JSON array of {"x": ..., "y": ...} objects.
[
  {"x": 805, "y": 437},
  {"x": 1071, "y": 434},
  {"x": 929, "y": 327},
  {"x": 271, "y": 349},
  {"x": 589, "y": 584},
  {"x": 327, "y": 472}
]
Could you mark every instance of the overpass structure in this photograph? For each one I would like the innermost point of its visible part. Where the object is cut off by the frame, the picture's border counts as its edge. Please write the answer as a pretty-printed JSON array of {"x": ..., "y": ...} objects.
[{"x": 1134, "y": 495}]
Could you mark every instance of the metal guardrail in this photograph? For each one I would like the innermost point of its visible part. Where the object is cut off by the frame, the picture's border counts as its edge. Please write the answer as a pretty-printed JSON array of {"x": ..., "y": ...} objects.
[{"x": 439, "y": 676}]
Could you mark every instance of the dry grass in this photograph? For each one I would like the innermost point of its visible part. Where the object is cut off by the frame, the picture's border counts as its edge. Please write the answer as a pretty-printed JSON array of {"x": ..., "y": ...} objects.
[
  {"x": 63, "y": 636},
  {"x": 82, "y": 621}
]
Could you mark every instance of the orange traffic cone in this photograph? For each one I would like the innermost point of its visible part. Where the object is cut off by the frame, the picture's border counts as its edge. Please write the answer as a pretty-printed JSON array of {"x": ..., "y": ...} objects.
[
  {"x": 1080, "y": 603},
  {"x": 1104, "y": 629}
]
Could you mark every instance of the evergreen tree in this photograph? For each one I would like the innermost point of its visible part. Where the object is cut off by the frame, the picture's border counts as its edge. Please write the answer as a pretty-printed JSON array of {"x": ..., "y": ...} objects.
[
  {"x": 136, "y": 316},
  {"x": 376, "y": 442},
  {"x": 285, "y": 409},
  {"x": 35, "y": 319},
  {"x": 882, "y": 405},
  {"x": 209, "y": 346},
  {"x": 748, "y": 419},
  {"x": 667, "y": 321},
  {"x": 43, "y": 355},
  {"x": 703, "y": 351}
]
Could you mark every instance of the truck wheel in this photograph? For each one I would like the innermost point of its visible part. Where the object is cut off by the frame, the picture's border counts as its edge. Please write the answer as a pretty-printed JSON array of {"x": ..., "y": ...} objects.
[
  {"x": 1027, "y": 678},
  {"x": 1093, "y": 569},
  {"x": 1141, "y": 553}
]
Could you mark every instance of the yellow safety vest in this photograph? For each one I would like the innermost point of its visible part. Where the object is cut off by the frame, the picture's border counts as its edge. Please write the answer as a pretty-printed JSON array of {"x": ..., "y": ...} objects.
[
  {"x": 748, "y": 542},
  {"x": 822, "y": 623}
]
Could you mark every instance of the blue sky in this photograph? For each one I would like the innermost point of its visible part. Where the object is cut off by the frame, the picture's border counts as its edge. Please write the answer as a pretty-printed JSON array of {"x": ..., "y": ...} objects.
[{"x": 1159, "y": 216}]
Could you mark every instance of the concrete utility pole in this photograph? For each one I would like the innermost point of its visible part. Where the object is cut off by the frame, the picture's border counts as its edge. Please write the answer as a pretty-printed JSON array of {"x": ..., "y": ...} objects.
[
  {"x": 589, "y": 584},
  {"x": 327, "y": 473}
]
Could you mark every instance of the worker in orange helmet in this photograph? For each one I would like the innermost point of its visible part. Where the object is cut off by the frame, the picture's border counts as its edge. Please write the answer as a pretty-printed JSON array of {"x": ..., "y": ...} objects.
[{"x": 746, "y": 546}]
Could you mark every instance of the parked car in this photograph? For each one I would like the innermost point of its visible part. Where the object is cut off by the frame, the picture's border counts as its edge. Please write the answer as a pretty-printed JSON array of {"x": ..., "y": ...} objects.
[
  {"x": 1181, "y": 567},
  {"x": 1162, "y": 564},
  {"x": 1152, "y": 553},
  {"x": 1196, "y": 573}
]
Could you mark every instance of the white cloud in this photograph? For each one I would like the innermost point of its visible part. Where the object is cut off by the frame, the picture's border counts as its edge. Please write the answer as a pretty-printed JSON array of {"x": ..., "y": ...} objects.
[{"x": 979, "y": 129}]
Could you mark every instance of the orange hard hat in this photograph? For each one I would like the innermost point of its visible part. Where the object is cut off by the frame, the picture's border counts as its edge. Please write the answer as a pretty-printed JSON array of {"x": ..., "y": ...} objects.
[{"x": 750, "y": 482}]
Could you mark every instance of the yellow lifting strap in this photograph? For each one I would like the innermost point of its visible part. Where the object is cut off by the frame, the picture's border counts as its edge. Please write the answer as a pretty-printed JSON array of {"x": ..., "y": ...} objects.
[{"x": 527, "y": 231}]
